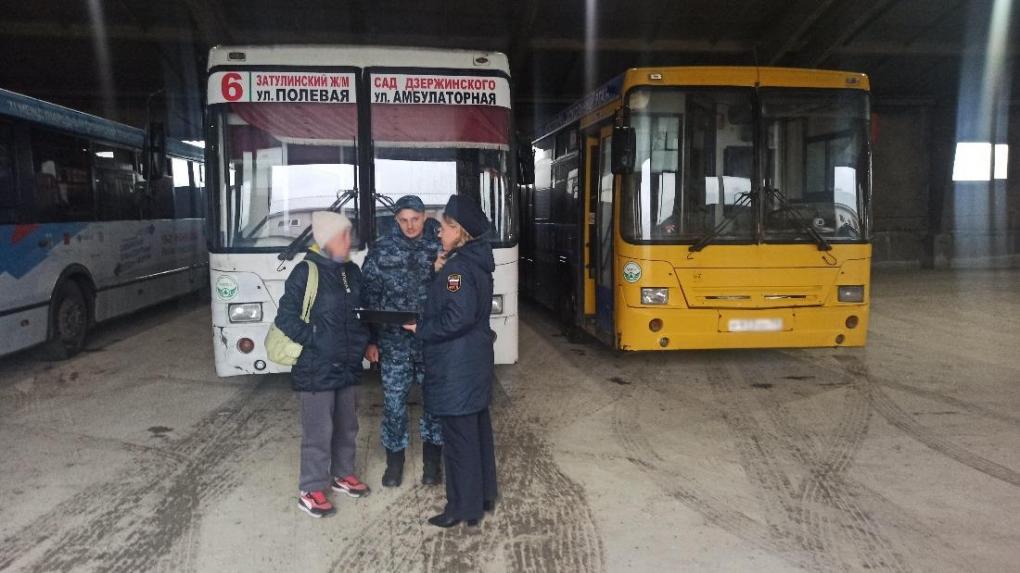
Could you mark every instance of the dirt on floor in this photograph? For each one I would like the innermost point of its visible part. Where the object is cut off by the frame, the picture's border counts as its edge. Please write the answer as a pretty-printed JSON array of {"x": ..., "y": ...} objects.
[{"x": 901, "y": 456}]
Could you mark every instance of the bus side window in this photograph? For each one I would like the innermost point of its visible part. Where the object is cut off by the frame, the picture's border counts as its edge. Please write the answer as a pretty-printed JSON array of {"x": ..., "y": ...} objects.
[
  {"x": 63, "y": 191},
  {"x": 115, "y": 183},
  {"x": 159, "y": 202},
  {"x": 183, "y": 206},
  {"x": 198, "y": 184},
  {"x": 8, "y": 186}
]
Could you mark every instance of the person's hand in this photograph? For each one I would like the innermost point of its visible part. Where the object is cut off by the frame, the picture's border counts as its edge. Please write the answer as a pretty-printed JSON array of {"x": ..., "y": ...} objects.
[
  {"x": 440, "y": 261},
  {"x": 372, "y": 353},
  {"x": 413, "y": 327}
]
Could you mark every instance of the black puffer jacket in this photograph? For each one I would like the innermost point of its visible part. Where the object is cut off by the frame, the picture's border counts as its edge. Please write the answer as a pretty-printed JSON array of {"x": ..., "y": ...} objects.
[
  {"x": 455, "y": 331},
  {"x": 334, "y": 343}
]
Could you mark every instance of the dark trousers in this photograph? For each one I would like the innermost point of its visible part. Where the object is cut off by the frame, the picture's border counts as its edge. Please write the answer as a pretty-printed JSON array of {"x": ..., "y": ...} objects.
[{"x": 470, "y": 464}]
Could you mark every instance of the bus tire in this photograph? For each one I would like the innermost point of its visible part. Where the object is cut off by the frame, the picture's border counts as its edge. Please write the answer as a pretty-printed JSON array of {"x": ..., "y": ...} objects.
[
  {"x": 567, "y": 308},
  {"x": 69, "y": 321}
]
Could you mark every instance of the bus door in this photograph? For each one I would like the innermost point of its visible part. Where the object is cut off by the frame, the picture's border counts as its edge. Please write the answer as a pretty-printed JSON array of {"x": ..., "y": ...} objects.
[
  {"x": 603, "y": 247},
  {"x": 591, "y": 201}
]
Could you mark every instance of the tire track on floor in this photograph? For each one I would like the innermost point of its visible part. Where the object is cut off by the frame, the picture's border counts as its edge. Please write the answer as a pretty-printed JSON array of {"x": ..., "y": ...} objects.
[
  {"x": 923, "y": 540},
  {"x": 132, "y": 523},
  {"x": 834, "y": 366},
  {"x": 906, "y": 423},
  {"x": 761, "y": 456},
  {"x": 825, "y": 508},
  {"x": 543, "y": 521},
  {"x": 674, "y": 481},
  {"x": 969, "y": 407},
  {"x": 686, "y": 490}
]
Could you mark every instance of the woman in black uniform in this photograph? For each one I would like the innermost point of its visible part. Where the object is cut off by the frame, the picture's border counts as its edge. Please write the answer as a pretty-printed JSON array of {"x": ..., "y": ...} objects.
[{"x": 459, "y": 361}]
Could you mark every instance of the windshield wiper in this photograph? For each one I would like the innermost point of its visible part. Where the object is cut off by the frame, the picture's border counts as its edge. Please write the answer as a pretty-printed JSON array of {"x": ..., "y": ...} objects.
[
  {"x": 744, "y": 200},
  {"x": 342, "y": 199},
  {"x": 298, "y": 243},
  {"x": 793, "y": 216},
  {"x": 387, "y": 202}
]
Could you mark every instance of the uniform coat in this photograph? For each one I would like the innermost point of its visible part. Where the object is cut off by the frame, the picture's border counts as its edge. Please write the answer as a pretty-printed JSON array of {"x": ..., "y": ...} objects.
[
  {"x": 334, "y": 342},
  {"x": 456, "y": 334}
]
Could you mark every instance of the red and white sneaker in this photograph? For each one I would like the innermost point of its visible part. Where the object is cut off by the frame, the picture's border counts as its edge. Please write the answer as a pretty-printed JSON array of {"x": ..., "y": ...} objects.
[
  {"x": 351, "y": 486},
  {"x": 315, "y": 504}
]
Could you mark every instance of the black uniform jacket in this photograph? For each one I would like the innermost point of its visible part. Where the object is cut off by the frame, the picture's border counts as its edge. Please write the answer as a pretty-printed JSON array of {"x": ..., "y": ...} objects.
[{"x": 456, "y": 334}]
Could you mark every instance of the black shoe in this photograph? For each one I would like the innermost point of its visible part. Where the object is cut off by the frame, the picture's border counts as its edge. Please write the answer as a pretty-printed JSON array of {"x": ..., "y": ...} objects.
[
  {"x": 431, "y": 457},
  {"x": 444, "y": 521},
  {"x": 489, "y": 505},
  {"x": 394, "y": 474}
]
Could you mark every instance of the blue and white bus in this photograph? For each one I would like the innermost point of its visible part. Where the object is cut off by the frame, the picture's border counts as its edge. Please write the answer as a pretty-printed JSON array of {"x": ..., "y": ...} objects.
[{"x": 94, "y": 223}]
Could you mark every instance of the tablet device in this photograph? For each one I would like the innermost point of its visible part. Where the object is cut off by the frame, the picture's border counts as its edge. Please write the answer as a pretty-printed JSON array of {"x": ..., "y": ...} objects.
[{"x": 385, "y": 316}]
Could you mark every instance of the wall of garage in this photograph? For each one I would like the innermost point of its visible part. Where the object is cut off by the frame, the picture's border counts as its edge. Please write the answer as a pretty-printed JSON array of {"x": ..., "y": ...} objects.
[{"x": 921, "y": 216}]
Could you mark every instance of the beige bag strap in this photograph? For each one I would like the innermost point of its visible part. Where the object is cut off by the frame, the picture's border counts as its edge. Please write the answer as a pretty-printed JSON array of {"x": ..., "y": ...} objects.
[{"x": 311, "y": 289}]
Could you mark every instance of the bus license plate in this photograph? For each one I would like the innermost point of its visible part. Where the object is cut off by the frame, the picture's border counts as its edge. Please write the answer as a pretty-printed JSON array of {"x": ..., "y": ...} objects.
[{"x": 756, "y": 324}]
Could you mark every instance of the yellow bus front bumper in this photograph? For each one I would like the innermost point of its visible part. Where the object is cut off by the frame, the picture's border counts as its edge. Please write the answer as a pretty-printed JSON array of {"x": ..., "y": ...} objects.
[{"x": 684, "y": 328}]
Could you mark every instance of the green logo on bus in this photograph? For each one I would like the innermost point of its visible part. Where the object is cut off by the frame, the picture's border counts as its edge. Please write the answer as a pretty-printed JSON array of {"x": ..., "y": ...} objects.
[
  {"x": 631, "y": 272},
  {"x": 226, "y": 287}
]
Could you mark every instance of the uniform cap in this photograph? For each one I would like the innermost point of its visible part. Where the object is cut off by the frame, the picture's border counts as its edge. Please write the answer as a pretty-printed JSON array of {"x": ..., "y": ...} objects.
[
  {"x": 409, "y": 202},
  {"x": 468, "y": 214}
]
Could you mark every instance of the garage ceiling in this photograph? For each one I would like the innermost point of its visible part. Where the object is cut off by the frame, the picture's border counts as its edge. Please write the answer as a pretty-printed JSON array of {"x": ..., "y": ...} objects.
[{"x": 913, "y": 49}]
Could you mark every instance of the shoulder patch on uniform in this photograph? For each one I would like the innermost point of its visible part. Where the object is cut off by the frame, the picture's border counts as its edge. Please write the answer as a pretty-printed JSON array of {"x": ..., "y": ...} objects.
[{"x": 453, "y": 282}]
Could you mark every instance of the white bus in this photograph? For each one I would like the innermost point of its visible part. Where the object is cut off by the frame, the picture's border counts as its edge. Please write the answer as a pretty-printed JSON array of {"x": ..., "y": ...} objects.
[
  {"x": 85, "y": 233},
  {"x": 293, "y": 129}
]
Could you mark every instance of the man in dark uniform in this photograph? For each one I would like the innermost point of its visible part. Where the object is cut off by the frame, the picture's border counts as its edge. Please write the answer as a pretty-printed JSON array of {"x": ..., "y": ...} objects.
[{"x": 397, "y": 272}]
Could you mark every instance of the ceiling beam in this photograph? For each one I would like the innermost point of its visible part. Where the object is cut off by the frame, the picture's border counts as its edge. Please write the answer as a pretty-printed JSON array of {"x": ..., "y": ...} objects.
[
  {"x": 785, "y": 33},
  {"x": 210, "y": 22},
  {"x": 914, "y": 49},
  {"x": 522, "y": 17},
  {"x": 179, "y": 34},
  {"x": 79, "y": 31},
  {"x": 833, "y": 30},
  {"x": 641, "y": 45},
  {"x": 814, "y": 48}
]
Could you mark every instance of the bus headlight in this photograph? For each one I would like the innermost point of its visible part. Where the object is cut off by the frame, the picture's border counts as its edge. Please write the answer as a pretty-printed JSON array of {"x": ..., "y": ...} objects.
[
  {"x": 655, "y": 296},
  {"x": 851, "y": 293},
  {"x": 497, "y": 304},
  {"x": 245, "y": 312}
]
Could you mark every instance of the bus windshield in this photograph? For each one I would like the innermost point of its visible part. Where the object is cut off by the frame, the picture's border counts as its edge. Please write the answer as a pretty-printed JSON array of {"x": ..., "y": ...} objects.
[
  {"x": 435, "y": 151},
  {"x": 694, "y": 165},
  {"x": 431, "y": 136},
  {"x": 278, "y": 162},
  {"x": 817, "y": 163}
]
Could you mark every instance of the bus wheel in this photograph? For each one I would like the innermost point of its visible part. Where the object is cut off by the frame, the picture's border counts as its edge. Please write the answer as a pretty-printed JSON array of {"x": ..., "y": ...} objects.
[
  {"x": 70, "y": 314},
  {"x": 567, "y": 307}
]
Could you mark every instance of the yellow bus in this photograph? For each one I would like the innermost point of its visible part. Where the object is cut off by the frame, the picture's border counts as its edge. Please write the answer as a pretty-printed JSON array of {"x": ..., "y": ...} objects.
[{"x": 705, "y": 207}]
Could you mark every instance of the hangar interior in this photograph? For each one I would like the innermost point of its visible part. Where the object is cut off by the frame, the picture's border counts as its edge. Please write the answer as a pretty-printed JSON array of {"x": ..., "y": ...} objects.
[
  {"x": 933, "y": 65},
  {"x": 899, "y": 456}
]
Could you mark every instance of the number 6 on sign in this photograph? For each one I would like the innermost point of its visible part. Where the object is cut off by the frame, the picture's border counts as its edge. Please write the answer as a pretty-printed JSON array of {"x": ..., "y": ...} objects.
[{"x": 231, "y": 86}]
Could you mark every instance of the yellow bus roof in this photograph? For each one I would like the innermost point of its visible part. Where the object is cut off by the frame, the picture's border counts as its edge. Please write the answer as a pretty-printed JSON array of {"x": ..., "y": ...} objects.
[
  {"x": 749, "y": 76},
  {"x": 603, "y": 101}
]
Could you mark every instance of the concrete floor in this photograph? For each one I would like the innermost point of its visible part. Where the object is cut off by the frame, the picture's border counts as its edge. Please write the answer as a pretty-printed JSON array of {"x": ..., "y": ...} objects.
[{"x": 902, "y": 456}]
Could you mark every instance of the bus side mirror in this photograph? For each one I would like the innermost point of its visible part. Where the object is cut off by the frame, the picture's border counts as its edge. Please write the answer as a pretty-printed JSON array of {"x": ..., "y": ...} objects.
[
  {"x": 525, "y": 163},
  {"x": 154, "y": 165},
  {"x": 623, "y": 149}
]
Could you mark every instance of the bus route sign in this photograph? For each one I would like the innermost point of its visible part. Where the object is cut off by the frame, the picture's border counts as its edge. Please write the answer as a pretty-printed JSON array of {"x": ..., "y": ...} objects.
[
  {"x": 440, "y": 90},
  {"x": 281, "y": 87}
]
